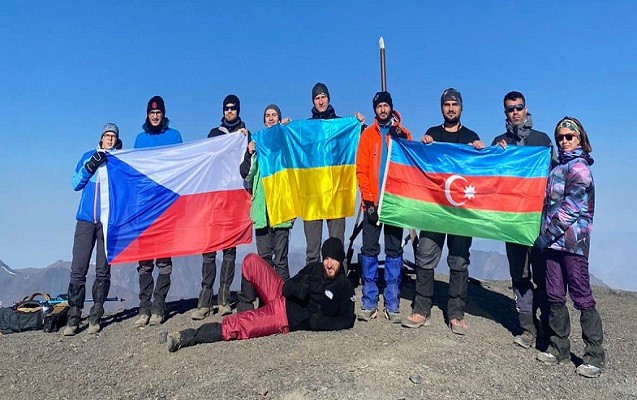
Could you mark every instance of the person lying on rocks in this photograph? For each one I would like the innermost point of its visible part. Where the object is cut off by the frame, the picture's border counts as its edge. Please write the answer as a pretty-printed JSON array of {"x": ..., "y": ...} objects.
[{"x": 318, "y": 298}]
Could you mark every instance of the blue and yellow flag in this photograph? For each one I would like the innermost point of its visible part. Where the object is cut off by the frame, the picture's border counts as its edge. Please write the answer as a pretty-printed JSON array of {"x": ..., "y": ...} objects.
[{"x": 308, "y": 168}]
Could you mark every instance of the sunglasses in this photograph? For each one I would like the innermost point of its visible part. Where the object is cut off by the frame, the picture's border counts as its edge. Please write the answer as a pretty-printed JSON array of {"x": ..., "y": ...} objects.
[
  {"x": 568, "y": 137},
  {"x": 230, "y": 108},
  {"x": 518, "y": 107}
]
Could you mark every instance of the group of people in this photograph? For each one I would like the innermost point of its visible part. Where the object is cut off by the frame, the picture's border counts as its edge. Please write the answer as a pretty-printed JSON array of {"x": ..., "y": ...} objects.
[{"x": 320, "y": 297}]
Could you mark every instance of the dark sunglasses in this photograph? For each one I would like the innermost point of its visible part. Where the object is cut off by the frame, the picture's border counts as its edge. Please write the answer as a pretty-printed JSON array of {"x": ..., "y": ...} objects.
[
  {"x": 230, "y": 108},
  {"x": 518, "y": 107},
  {"x": 568, "y": 137}
]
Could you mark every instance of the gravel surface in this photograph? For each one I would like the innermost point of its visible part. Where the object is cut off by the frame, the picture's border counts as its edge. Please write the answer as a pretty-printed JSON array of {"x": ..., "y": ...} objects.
[{"x": 374, "y": 360}]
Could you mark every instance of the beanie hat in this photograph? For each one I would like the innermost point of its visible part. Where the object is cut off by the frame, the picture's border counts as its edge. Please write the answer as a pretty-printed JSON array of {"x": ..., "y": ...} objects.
[
  {"x": 382, "y": 97},
  {"x": 110, "y": 127},
  {"x": 272, "y": 107},
  {"x": 333, "y": 248},
  {"x": 231, "y": 98},
  {"x": 320, "y": 88},
  {"x": 451, "y": 94},
  {"x": 156, "y": 103}
]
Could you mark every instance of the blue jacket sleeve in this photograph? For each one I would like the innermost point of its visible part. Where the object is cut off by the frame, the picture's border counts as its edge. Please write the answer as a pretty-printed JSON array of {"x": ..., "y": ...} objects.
[{"x": 81, "y": 176}]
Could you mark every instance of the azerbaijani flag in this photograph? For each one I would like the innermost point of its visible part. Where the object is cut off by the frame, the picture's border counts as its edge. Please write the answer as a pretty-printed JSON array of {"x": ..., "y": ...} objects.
[
  {"x": 174, "y": 200},
  {"x": 308, "y": 168},
  {"x": 453, "y": 188}
]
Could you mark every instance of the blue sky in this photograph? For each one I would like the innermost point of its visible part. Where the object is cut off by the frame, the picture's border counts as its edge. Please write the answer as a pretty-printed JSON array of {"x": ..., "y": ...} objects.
[{"x": 67, "y": 68}]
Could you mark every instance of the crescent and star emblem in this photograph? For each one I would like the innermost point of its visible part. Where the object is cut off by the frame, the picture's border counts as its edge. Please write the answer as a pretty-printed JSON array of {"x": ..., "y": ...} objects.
[{"x": 469, "y": 191}]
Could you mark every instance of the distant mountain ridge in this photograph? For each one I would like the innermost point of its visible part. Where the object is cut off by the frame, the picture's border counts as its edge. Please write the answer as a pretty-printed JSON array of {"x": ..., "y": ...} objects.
[{"x": 15, "y": 284}]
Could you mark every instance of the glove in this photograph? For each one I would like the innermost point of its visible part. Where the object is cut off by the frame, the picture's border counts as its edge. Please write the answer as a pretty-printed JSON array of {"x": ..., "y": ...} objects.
[
  {"x": 372, "y": 213},
  {"x": 316, "y": 319},
  {"x": 395, "y": 131},
  {"x": 542, "y": 243},
  {"x": 98, "y": 158}
]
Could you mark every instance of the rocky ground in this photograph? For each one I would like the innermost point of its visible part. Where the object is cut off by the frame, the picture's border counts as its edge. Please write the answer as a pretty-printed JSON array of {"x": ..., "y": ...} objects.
[{"x": 374, "y": 360}]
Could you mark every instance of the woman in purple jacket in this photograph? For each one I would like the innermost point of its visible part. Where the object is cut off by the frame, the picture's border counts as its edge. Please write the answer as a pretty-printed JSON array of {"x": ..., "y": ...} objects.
[{"x": 564, "y": 239}]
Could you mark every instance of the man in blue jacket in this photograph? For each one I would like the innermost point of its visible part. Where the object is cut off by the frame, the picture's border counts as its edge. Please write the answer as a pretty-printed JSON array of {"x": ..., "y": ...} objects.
[
  {"x": 156, "y": 133},
  {"x": 88, "y": 232}
]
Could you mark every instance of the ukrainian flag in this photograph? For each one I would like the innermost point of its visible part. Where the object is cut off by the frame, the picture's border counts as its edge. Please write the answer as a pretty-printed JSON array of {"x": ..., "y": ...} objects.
[{"x": 308, "y": 168}]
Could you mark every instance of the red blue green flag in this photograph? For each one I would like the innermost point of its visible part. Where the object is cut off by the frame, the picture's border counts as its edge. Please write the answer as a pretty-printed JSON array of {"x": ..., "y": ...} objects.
[{"x": 492, "y": 193}]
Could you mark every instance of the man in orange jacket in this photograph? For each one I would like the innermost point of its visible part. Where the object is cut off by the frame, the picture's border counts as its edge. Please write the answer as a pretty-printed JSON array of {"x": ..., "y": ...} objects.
[{"x": 371, "y": 159}]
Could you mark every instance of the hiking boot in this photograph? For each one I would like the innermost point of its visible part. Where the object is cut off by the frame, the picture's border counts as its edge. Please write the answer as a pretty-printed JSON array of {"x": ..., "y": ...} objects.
[
  {"x": 173, "y": 342},
  {"x": 200, "y": 313},
  {"x": 458, "y": 326},
  {"x": 526, "y": 339},
  {"x": 155, "y": 320},
  {"x": 367, "y": 315},
  {"x": 70, "y": 330},
  {"x": 547, "y": 358},
  {"x": 94, "y": 328},
  {"x": 393, "y": 317},
  {"x": 415, "y": 321},
  {"x": 142, "y": 321},
  {"x": 224, "y": 309},
  {"x": 588, "y": 371}
]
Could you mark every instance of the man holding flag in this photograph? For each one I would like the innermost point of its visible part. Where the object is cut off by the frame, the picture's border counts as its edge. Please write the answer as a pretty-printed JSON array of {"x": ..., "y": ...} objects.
[
  {"x": 525, "y": 265},
  {"x": 156, "y": 133},
  {"x": 430, "y": 245},
  {"x": 371, "y": 159}
]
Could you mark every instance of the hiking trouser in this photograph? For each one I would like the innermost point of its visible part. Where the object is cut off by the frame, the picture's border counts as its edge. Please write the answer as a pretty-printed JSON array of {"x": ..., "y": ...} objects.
[
  {"x": 314, "y": 236},
  {"x": 273, "y": 246},
  {"x": 567, "y": 271},
  {"x": 369, "y": 264},
  {"x": 88, "y": 234},
  {"x": 226, "y": 276},
  {"x": 527, "y": 268},
  {"x": 149, "y": 290},
  {"x": 267, "y": 320},
  {"x": 428, "y": 256}
]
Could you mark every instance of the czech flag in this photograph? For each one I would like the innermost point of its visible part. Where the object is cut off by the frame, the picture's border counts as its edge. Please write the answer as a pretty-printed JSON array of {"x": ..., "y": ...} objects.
[
  {"x": 174, "y": 200},
  {"x": 453, "y": 188},
  {"x": 308, "y": 168}
]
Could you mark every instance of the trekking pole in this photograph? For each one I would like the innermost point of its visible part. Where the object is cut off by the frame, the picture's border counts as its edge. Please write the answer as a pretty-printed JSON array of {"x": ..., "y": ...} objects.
[{"x": 383, "y": 74}]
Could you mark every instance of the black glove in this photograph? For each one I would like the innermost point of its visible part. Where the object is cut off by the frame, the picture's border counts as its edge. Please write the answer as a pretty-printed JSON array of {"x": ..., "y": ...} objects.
[
  {"x": 316, "y": 319},
  {"x": 98, "y": 158},
  {"x": 372, "y": 213},
  {"x": 542, "y": 243},
  {"x": 395, "y": 131}
]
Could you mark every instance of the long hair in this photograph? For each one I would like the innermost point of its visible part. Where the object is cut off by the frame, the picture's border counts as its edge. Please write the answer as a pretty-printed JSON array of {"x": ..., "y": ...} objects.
[{"x": 576, "y": 126}]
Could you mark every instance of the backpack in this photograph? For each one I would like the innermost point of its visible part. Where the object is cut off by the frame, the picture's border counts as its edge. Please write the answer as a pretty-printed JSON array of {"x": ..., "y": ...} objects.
[{"x": 31, "y": 314}]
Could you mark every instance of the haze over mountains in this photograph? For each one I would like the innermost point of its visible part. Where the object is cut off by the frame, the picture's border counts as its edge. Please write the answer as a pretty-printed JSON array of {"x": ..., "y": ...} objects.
[{"x": 54, "y": 279}]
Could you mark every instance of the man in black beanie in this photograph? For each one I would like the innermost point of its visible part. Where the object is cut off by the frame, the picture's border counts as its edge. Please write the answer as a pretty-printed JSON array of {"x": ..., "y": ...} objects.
[
  {"x": 336, "y": 227},
  {"x": 318, "y": 298},
  {"x": 230, "y": 123}
]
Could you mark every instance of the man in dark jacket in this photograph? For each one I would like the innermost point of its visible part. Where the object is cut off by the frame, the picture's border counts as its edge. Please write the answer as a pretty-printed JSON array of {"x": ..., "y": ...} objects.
[
  {"x": 318, "y": 298},
  {"x": 230, "y": 123},
  {"x": 525, "y": 265},
  {"x": 322, "y": 109}
]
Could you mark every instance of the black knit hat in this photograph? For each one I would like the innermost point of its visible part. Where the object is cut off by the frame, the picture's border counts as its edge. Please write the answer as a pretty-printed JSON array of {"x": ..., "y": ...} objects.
[
  {"x": 333, "y": 248},
  {"x": 382, "y": 97},
  {"x": 156, "y": 103},
  {"x": 272, "y": 107},
  {"x": 231, "y": 98},
  {"x": 320, "y": 88}
]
